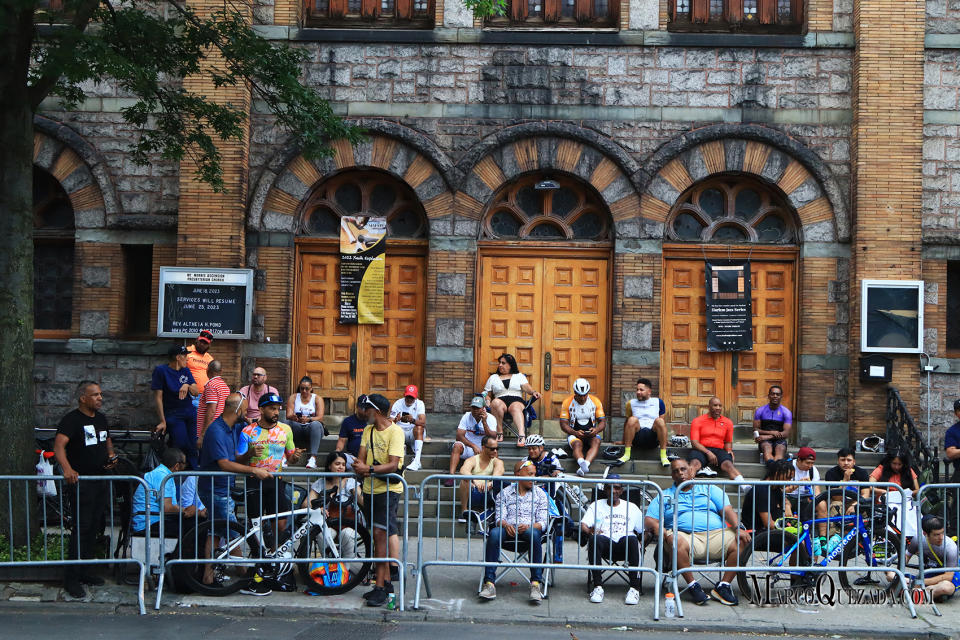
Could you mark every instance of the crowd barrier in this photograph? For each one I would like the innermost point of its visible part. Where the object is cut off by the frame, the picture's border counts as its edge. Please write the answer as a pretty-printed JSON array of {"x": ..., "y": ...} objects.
[
  {"x": 480, "y": 538},
  {"x": 943, "y": 501},
  {"x": 42, "y": 511},
  {"x": 276, "y": 530},
  {"x": 863, "y": 542}
]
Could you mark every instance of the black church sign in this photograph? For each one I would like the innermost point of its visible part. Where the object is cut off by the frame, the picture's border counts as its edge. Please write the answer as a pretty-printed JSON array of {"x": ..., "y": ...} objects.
[
  {"x": 219, "y": 300},
  {"x": 729, "y": 308}
]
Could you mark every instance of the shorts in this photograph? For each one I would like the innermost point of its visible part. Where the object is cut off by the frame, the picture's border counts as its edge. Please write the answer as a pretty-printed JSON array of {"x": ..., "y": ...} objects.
[
  {"x": 408, "y": 432},
  {"x": 479, "y": 499},
  {"x": 382, "y": 509},
  {"x": 509, "y": 400},
  {"x": 722, "y": 456},
  {"x": 222, "y": 508},
  {"x": 645, "y": 439},
  {"x": 803, "y": 507},
  {"x": 709, "y": 546},
  {"x": 955, "y": 580},
  {"x": 773, "y": 444},
  {"x": 467, "y": 452}
]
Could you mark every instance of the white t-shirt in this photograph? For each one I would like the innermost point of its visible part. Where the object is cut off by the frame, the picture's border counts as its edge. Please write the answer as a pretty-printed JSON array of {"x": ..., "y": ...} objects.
[
  {"x": 473, "y": 430},
  {"x": 400, "y": 406},
  {"x": 800, "y": 475},
  {"x": 646, "y": 411},
  {"x": 345, "y": 494},
  {"x": 512, "y": 388},
  {"x": 614, "y": 522}
]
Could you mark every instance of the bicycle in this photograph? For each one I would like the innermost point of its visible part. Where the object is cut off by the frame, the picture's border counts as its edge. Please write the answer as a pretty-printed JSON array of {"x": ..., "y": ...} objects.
[
  {"x": 878, "y": 549},
  {"x": 238, "y": 553}
]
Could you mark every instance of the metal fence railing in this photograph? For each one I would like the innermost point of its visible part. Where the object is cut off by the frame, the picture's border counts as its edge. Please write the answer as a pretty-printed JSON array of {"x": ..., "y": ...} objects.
[
  {"x": 503, "y": 516},
  {"x": 61, "y": 523},
  {"x": 943, "y": 502},
  {"x": 842, "y": 528},
  {"x": 321, "y": 524}
]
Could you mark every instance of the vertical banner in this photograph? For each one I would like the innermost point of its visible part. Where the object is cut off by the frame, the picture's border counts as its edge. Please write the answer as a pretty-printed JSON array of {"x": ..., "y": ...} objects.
[
  {"x": 729, "y": 309},
  {"x": 363, "y": 241}
]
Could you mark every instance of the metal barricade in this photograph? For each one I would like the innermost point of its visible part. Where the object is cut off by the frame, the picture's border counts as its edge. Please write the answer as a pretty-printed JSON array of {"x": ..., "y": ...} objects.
[
  {"x": 278, "y": 525},
  {"x": 942, "y": 501},
  {"x": 52, "y": 512},
  {"x": 484, "y": 538},
  {"x": 776, "y": 561}
]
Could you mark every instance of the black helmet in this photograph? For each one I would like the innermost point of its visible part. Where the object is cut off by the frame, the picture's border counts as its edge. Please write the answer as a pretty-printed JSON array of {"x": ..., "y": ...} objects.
[{"x": 270, "y": 398}]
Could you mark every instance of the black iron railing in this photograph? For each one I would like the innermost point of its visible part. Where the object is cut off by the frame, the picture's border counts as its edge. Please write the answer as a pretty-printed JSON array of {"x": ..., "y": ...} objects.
[{"x": 903, "y": 435}]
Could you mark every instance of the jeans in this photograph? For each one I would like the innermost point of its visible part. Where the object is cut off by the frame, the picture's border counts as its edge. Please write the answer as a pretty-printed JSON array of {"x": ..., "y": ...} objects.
[
  {"x": 498, "y": 539},
  {"x": 182, "y": 427},
  {"x": 601, "y": 547},
  {"x": 312, "y": 430},
  {"x": 89, "y": 500}
]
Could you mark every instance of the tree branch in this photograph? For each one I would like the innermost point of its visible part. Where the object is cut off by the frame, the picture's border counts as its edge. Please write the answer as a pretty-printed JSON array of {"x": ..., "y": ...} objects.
[{"x": 39, "y": 89}]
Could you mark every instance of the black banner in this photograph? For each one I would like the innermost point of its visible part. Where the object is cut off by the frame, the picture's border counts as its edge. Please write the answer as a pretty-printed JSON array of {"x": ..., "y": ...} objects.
[
  {"x": 729, "y": 309},
  {"x": 363, "y": 241},
  {"x": 218, "y": 300}
]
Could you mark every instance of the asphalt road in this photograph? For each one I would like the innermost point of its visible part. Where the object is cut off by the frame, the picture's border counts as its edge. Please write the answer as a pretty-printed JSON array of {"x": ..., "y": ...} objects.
[{"x": 30, "y": 625}]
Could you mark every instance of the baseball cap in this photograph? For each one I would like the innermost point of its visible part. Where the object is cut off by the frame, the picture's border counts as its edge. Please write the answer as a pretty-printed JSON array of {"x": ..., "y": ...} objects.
[
  {"x": 806, "y": 452},
  {"x": 477, "y": 402},
  {"x": 176, "y": 350},
  {"x": 378, "y": 402},
  {"x": 270, "y": 398},
  {"x": 956, "y": 405},
  {"x": 411, "y": 390},
  {"x": 205, "y": 336}
]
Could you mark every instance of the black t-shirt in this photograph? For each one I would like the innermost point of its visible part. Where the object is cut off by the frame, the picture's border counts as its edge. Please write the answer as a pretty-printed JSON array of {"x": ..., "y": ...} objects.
[
  {"x": 759, "y": 500},
  {"x": 836, "y": 475},
  {"x": 87, "y": 448}
]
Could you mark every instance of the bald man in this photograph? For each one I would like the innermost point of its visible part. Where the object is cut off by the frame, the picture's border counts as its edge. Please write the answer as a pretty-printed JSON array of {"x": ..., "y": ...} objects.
[
  {"x": 257, "y": 387},
  {"x": 711, "y": 436}
]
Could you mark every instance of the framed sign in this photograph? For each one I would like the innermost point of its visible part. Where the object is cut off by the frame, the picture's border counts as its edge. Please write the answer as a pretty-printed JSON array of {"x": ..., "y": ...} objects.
[
  {"x": 219, "y": 300},
  {"x": 891, "y": 316},
  {"x": 729, "y": 305}
]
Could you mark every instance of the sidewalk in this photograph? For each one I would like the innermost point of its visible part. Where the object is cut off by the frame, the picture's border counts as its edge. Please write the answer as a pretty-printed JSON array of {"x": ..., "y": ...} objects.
[{"x": 454, "y": 591}]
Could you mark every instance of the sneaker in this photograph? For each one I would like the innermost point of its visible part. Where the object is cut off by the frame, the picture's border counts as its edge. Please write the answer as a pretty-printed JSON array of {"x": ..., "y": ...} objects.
[
  {"x": 464, "y": 516},
  {"x": 378, "y": 597},
  {"x": 256, "y": 587},
  {"x": 596, "y": 596},
  {"x": 745, "y": 487},
  {"x": 489, "y": 591},
  {"x": 580, "y": 472},
  {"x": 633, "y": 597},
  {"x": 559, "y": 453},
  {"x": 414, "y": 465},
  {"x": 802, "y": 582},
  {"x": 724, "y": 594},
  {"x": 311, "y": 463},
  {"x": 95, "y": 581},
  {"x": 706, "y": 471},
  {"x": 697, "y": 595},
  {"x": 387, "y": 586},
  {"x": 535, "y": 596},
  {"x": 664, "y": 461},
  {"x": 585, "y": 467},
  {"x": 448, "y": 482},
  {"x": 75, "y": 589}
]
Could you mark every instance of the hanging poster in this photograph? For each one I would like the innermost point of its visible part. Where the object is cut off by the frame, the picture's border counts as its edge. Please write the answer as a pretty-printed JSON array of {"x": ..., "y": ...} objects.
[
  {"x": 729, "y": 311},
  {"x": 363, "y": 241}
]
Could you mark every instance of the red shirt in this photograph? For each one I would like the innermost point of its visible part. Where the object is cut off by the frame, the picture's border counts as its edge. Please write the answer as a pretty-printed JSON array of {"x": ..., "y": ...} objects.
[
  {"x": 713, "y": 434},
  {"x": 216, "y": 391}
]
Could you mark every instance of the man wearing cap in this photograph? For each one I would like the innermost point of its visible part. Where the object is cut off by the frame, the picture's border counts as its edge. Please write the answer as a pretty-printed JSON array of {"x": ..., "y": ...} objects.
[
  {"x": 611, "y": 524},
  {"x": 803, "y": 496},
  {"x": 951, "y": 443},
  {"x": 410, "y": 413},
  {"x": 257, "y": 387},
  {"x": 198, "y": 359},
  {"x": 582, "y": 419},
  {"x": 381, "y": 452},
  {"x": 172, "y": 384},
  {"x": 212, "y": 399},
  {"x": 772, "y": 423},
  {"x": 474, "y": 425},
  {"x": 351, "y": 432}
]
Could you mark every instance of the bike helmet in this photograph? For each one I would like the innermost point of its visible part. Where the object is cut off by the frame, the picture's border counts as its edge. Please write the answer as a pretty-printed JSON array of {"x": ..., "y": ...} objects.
[
  {"x": 581, "y": 387},
  {"x": 613, "y": 452},
  {"x": 535, "y": 441},
  {"x": 270, "y": 398}
]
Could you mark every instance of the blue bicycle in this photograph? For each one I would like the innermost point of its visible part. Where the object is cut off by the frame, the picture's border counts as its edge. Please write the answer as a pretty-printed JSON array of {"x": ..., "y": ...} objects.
[{"x": 873, "y": 548}]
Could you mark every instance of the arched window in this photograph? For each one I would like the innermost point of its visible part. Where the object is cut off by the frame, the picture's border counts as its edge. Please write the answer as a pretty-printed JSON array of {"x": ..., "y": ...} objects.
[
  {"x": 363, "y": 193},
  {"x": 546, "y": 207},
  {"x": 732, "y": 209},
  {"x": 53, "y": 228}
]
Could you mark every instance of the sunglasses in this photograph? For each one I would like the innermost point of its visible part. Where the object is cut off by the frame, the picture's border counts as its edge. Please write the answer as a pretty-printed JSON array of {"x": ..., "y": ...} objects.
[
  {"x": 491, "y": 448},
  {"x": 365, "y": 402}
]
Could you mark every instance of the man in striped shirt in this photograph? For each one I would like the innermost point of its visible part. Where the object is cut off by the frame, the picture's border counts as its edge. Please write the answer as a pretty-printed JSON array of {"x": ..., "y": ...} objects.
[{"x": 212, "y": 399}]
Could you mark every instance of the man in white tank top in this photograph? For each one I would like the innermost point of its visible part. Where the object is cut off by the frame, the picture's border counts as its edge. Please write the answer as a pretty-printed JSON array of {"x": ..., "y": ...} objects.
[{"x": 646, "y": 425}]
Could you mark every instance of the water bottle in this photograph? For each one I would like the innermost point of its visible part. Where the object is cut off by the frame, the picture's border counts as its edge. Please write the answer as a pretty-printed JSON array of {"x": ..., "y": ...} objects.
[
  {"x": 391, "y": 601},
  {"x": 834, "y": 542},
  {"x": 670, "y": 606},
  {"x": 817, "y": 550}
]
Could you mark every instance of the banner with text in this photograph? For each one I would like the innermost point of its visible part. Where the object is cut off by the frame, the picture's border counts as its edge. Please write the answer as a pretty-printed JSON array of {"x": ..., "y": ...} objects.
[
  {"x": 729, "y": 309},
  {"x": 363, "y": 241}
]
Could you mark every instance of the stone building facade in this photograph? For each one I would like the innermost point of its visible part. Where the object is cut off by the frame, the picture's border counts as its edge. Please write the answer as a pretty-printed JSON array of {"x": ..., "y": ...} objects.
[{"x": 846, "y": 127}]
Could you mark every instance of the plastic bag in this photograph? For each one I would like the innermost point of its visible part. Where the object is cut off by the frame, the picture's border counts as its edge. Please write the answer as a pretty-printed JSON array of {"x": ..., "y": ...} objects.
[{"x": 46, "y": 488}]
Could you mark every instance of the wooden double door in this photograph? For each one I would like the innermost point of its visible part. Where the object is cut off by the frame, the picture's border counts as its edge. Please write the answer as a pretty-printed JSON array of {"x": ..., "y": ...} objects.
[
  {"x": 552, "y": 314},
  {"x": 347, "y": 360},
  {"x": 691, "y": 375}
]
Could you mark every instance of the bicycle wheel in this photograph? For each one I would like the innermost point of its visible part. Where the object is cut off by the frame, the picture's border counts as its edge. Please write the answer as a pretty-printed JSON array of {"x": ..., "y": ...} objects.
[
  {"x": 885, "y": 547},
  {"x": 348, "y": 534},
  {"x": 767, "y": 550},
  {"x": 229, "y": 541}
]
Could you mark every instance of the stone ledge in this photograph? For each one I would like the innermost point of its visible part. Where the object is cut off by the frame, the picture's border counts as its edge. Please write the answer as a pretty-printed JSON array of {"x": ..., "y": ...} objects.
[{"x": 102, "y": 346}]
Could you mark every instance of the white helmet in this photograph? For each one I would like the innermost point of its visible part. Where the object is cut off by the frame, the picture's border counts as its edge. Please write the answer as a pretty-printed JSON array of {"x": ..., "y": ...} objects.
[
  {"x": 534, "y": 441},
  {"x": 581, "y": 387}
]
